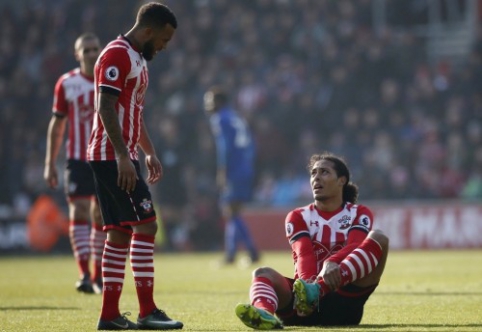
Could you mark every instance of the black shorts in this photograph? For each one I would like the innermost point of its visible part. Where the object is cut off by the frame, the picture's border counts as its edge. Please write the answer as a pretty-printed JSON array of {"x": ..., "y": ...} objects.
[
  {"x": 121, "y": 209},
  {"x": 78, "y": 179},
  {"x": 343, "y": 307}
]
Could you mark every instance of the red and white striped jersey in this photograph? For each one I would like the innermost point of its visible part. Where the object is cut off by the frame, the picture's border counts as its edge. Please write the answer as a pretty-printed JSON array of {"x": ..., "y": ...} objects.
[
  {"x": 119, "y": 68},
  {"x": 74, "y": 98},
  {"x": 328, "y": 231}
]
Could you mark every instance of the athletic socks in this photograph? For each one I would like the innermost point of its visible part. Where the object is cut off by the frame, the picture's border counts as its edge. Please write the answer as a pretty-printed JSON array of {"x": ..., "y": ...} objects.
[
  {"x": 113, "y": 273},
  {"x": 79, "y": 241},
  {"x": 262, "y": 294},
  {"x": 97, "y": 240},
  {"x": 142, "y": 264},
  {"x": 358, "y": 263}
]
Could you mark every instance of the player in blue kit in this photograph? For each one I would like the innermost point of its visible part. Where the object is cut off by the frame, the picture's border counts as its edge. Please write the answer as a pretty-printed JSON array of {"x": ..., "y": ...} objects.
[{"x": 235, "y": 169}]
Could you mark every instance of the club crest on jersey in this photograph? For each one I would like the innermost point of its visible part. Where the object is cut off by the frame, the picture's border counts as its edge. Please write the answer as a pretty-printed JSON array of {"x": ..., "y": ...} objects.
[
  {"x": 344, "y": 222},
  {"x": 146, "y": 205},
  {"x": 289, "y": 229},
  {"x": 112, "y": 73},
  {"x": 365, "y": 221}
]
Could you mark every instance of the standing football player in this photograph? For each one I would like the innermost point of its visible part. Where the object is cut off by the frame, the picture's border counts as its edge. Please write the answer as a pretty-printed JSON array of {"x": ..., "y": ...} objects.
[
  {"x": 121, "y": 79},
  {"x": 74, "y": 107},
  {"x": 338, "y": 258},
  {"x": 235, "y": 169}
]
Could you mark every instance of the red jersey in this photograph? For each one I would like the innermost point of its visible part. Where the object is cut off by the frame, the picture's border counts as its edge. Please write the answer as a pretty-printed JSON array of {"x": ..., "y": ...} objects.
[
  {"x": 74, "y": 98},
  {"x": 329, "y": 233},
  {"x": 119, "y": 69}
]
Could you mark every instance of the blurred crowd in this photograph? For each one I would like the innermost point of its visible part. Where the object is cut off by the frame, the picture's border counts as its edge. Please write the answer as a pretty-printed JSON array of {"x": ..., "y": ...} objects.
[{"x": 309, "y": 75}]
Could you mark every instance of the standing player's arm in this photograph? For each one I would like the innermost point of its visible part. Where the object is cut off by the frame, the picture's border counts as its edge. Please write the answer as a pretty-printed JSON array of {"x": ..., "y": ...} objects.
[
  {"x": 127, "y": 175},
  {"x": 55, "y": 137},
  {"x": 222, "y": 156},
  {"x": 154, "y": 167}
]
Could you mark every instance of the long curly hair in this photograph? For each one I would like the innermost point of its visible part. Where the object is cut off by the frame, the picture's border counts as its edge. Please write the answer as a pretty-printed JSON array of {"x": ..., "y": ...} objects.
[{"x": 350, "y": 189}]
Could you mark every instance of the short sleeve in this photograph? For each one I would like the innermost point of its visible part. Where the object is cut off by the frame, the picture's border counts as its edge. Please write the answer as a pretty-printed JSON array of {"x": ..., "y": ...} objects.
[
  {"x": 295, "y": 226},
  {"x": 60, "y": 104},
  {"x": 114, "y": 67}
]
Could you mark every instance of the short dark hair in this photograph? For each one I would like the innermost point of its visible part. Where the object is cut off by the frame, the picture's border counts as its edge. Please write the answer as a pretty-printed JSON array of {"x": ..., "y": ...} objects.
[
  {"x": 350, "y": 190},
  {"x": 84, "y": 36},
  {"x": 220, "y": 95},
  {"x": 155, "y": 14}
]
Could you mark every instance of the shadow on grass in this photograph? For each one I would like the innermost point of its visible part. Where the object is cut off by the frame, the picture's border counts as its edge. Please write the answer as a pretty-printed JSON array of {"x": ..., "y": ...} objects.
[
  {"x": 37, "y": 308},
  {"x": 429, "y": 293},
  {"x": 389, "y": 326}
]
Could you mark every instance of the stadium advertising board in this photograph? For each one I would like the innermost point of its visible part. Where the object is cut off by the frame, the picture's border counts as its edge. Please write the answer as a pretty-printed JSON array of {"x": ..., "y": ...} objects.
[{"x": 409, "y": 226}]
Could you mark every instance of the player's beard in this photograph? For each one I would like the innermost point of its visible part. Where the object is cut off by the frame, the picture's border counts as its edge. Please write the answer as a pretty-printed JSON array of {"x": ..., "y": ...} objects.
[
  {"x": 320, "y": 198},
  {"x": 148, "y": 50}
]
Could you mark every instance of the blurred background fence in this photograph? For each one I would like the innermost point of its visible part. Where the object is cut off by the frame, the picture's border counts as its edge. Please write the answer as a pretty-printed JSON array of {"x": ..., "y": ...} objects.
[{"x": 394, "y": 86}]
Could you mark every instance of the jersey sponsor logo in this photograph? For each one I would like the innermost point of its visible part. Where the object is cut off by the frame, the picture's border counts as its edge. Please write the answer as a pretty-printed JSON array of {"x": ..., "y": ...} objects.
[
  {"x": 365, "y": 221},
  {"x": 314, "y": 223},
  {"x": 140, "y": 94},
  {"x": 112, "y": 73},
  {"x": 322, "y": 252},
  {"x": 146, "y": 205},
  {"x": 289, "y": 229},
  {"x": 86, "y": 113},
  {"x": 344, "y": 222}
]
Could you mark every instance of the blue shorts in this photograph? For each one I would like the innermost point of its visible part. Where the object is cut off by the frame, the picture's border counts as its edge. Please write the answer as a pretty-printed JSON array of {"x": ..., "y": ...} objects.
[
  {"x": 238, "y": 190},
  {"x": 121, "y": 209}
]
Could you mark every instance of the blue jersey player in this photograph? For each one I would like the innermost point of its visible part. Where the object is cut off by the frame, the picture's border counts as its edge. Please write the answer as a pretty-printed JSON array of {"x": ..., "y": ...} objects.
[{"x": 235, "y": 169}]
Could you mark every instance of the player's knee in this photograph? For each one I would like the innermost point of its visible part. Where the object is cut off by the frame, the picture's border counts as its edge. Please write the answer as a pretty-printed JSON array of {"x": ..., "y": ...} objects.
[
  {"x": 263, "y": 271},
  {"x": 148, "y": 229},
  {"x": 380, "y": 237},
  {"x": 79, "y": 210}
]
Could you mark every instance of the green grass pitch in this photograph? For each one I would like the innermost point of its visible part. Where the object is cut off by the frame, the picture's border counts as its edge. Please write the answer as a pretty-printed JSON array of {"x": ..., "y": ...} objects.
[{"x": 420, "y": 291}]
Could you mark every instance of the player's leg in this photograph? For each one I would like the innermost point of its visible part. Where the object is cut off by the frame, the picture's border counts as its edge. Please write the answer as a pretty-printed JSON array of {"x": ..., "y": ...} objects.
[
  {"x": 116, "y": 247},
  {"x": 363, "y": 267},
  {"x": 269, "y": 291},
  {"x": 97, "y": 241},
  {"x": 231, "y": 236},
  {"x": 79, "y": 230},
  {"x": 362, "y": 278},
  {"x": 144, "y": 226},
  {"x": 242, "y": 229}
]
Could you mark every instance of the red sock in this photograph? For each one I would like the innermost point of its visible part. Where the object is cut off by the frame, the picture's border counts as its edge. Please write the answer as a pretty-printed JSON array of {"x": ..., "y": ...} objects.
[
  {"x": 142, "y": 264},
  {"x": 358, "y": 263},
  {"x": 97, "y": 240},
  {"x": 79, "y": 241},
  {"x": 263, "y": 295},
  {"x": 361, "y": 261},
  {"x": 113, "y": 272}
]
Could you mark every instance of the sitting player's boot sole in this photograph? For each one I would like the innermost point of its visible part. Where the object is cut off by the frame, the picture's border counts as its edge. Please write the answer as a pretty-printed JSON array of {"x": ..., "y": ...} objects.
[
  {"x": 256, "y": 318},
  {"x": 306, "y": 297}
]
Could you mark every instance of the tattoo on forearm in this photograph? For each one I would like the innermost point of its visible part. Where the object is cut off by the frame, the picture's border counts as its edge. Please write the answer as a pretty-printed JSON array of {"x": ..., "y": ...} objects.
[{"x": 110, "y": 121}]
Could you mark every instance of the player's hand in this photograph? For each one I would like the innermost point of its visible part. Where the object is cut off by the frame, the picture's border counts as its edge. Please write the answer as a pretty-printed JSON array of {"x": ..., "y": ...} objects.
[
  {"x": 51, "y": 176},
  {"x": 154, "y": 169},
  {"x": 330, "y": 273},
  {"x": 221, "y": 180},
  {"x": 127, "y": 176}
]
